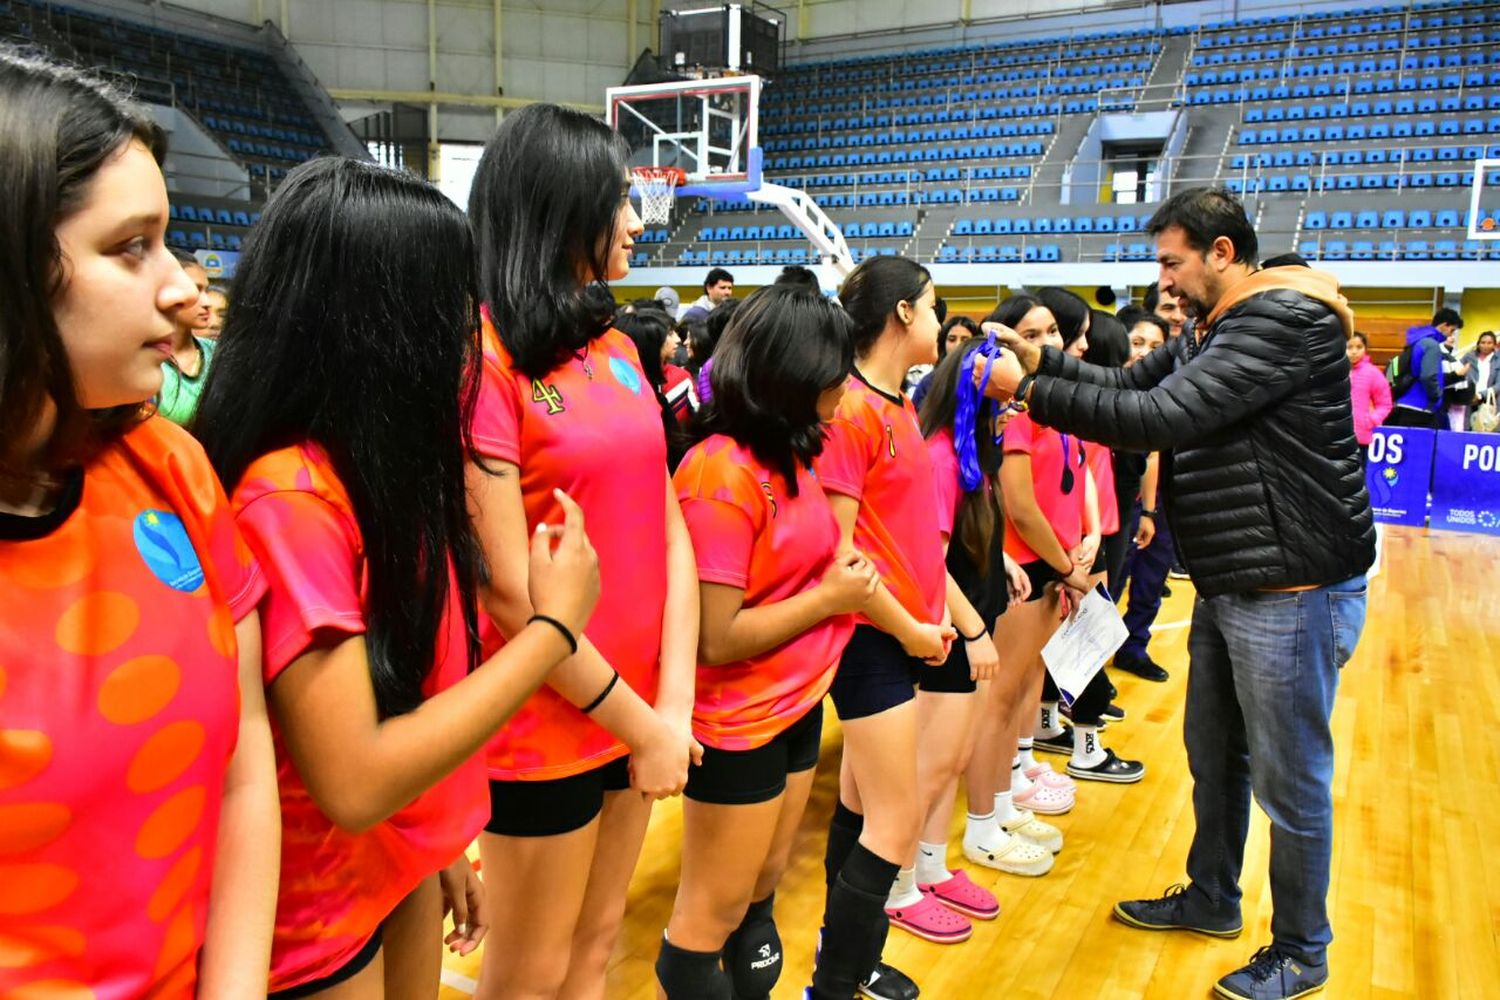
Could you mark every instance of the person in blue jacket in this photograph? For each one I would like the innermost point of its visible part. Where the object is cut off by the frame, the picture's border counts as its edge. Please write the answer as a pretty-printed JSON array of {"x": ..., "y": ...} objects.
[{"x": 1418, "y": 388}]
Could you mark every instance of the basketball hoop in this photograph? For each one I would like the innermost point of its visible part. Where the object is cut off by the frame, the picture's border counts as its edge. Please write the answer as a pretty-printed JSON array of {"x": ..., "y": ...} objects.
[{"x": 657, "y": 188}]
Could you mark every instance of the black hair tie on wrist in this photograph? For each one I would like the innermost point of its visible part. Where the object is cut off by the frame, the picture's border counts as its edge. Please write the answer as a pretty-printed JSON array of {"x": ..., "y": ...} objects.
[
  {"x": 602, "y": 694},
  {"x": 971, "y": 638},
  {"x": 567, "y": 635}
]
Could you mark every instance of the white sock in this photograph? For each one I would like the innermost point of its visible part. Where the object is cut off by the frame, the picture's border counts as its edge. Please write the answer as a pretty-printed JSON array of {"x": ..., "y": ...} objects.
[
  {"x": 1005, "y": 809},
  {"x": 932, "y": 863},
  {"x": 981, "y": 830},
  {"x": 1047, "y": 724},
  {"x": 1028, "y": 758},
  {"x": 1086, "y": 749},
  {"x": 904, "y": 891},
  {"x": 1019, "y": 783}
]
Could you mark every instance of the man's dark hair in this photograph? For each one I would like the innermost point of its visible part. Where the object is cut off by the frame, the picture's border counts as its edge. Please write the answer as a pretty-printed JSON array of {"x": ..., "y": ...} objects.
[
  {"x": 1204, "y": 215},
  {"x": 1443, "y": 316},
  {"x": 799, "y": 277},
  {"x": 715, "y": 276}
]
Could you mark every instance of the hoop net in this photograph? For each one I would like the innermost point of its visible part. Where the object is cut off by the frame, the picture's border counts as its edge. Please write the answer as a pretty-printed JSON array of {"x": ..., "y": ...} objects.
[{"x": 657, "y": 188}]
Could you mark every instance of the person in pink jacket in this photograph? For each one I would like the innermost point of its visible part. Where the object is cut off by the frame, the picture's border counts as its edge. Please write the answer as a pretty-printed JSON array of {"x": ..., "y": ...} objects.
[{"x": 1371, "y": 392}]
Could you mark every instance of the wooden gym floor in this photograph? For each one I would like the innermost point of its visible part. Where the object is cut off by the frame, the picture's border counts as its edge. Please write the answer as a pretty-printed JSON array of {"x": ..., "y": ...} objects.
[{"x": 1415, "y": 895}]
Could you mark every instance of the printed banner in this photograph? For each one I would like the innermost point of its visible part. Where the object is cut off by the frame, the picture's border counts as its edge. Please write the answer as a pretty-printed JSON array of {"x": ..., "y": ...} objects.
[
  {"x": 1466, "y": 483},
  {"x": 1400, "y": 473}
]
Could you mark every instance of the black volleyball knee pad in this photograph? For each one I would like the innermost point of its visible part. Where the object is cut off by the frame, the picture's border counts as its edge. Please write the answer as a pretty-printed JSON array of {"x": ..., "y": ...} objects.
[
  {"x": 752, "y": 955},
  {"x": 691, "y": 975}
]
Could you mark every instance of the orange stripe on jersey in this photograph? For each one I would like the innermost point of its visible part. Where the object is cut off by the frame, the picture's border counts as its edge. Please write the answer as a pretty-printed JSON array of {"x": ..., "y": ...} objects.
[
  {"x": 749, "y": 533},
  {"x": 336, "y": 886},
  {"x": 119, "y": 711},
  {"x": 875, "y": 453},
  {"x": 591, "y": 427}
]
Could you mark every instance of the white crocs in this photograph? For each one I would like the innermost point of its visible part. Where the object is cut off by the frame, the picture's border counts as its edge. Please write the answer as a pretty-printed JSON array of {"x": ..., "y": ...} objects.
[
  {"x": 1026, "y": 826},
  {"x": 1015, "y": 855}
]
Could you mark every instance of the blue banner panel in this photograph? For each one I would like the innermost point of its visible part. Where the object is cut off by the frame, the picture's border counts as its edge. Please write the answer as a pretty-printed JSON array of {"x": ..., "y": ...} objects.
[
  {"x": 1399, "y": 474},
  {"x": 1466, "y": 483}
]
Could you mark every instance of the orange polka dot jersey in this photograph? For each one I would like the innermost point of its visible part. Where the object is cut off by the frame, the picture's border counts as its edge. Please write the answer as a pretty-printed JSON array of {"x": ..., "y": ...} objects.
[
  {"x": 875, "y": 454},
  {"x": 337, "y": 886},
  {"x": 592, "y": 427},
  {"x": 119, "y": 711},
  {"x": 749, "y": 533}
]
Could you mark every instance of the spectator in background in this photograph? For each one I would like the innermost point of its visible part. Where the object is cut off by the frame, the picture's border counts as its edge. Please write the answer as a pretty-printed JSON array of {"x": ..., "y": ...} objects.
[
  {"x": 218, "y": 305},
  {"x": 955, "y": 330},
  {"x": 1458, "y": 388},
  {"x": 718, "y": 288},
  {"x": 656, "y": 341},
  {"x": 1167, "y": 306},
  {"x": 1418, "y": 384},
  {"x": 799, "y": 277},
  {"x": 1371, "y": 393},
  {"x": 1484, "y": 374},
  {"x": 184, "y": 371},
  {"x": 671, "y": 302},
  {"x": 714, "y": 327}
]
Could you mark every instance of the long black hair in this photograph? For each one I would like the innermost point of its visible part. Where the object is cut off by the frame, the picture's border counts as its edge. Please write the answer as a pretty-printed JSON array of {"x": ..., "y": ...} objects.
[
  {"x": 979, "y": 525},
  {"x": 1013, "y": 310},
  {"x": 873, "y": 290},
  {"x": 1109, "y": 341},
  {"x": 648, "y": 330},
  {"x": 545, "y": 199},
  {"x": 1069, "y": 309},
  {"x": 58, "y": 126},
  {"x": 355, "y": 326},
  {"x": 784, "y": 348}
]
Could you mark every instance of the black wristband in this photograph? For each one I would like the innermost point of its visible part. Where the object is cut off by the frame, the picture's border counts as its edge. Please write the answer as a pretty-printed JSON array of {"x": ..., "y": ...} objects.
[
  {"x": 602, "y": 694},
  {"x": 971, "y": 638},
  {"x": 1149, "y": 513},
  {"x": 1019, "y": 400},
  {"x": 568, "y": 636}
]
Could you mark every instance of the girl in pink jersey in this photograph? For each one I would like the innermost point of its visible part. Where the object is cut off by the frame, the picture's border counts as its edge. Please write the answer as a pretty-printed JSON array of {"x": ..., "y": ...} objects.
[
  {"x": 564, "y": 402},
  {"x": 138, "y": 845}
]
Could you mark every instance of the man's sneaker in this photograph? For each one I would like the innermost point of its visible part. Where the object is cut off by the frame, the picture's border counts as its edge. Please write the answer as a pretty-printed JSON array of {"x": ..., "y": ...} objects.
[
  {"x": 1177, "y": 572},
  {"x": 1114, "y": 713},
  {"x": 887, "y": 983},
  {"x": 1111, "y": 768},
  {"x": 1061, "y": 743},
  {"x": 1166, "y": 590},
  {"x": 1165, "y": 913},
  {"x": 1272, "y": 975},
  {"x": 1141, "y": 665}
]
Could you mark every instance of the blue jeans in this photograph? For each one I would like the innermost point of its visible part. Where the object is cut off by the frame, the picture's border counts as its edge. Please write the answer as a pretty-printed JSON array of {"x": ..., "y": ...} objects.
[
  {"x": 1146, "y": 571},
  {"x": 1263, "y": 670}
]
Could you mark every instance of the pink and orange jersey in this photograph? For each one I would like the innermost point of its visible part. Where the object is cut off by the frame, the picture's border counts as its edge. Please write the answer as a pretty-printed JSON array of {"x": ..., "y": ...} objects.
[
  {"x": 1063, "y": 509},
  {"x": 119, "y": 712},
  {"x": 337, "y": 886},
  {"x": 749, "y": 533},
  {"x": 593, "y": 428},
  {"x": 875, "y": 454},
  {"x": 946, "y": 481},
  {"x": 1102, "y": 464}
]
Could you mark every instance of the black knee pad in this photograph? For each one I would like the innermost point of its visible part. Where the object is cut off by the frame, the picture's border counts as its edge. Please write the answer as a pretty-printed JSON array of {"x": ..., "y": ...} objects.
[
  {"x": 752, "y": 955},
  {"x": 855, "y": 924},
  {"x": 691, "y": 975}
]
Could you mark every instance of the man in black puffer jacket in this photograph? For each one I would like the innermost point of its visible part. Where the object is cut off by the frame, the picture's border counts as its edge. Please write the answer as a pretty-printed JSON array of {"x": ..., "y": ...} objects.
[{"x": 1268, "y": 504}]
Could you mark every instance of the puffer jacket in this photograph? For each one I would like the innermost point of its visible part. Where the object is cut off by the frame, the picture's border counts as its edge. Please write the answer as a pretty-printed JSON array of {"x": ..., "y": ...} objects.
[{"x": 1264, "y": 484}]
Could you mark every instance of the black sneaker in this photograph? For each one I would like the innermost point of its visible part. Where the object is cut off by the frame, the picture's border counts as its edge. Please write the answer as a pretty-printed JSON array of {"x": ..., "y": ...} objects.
[
  {"x": 887, "y": 983},
  {"x": 1177, "y": 572},
  {"x": 1166, "y": 914},
  {"x": 1273, "y": 976},
  {"x": 1166, "y": 590},
  {"x": 1114, "y": 713},
  {"x": 1141, "y": 665},
  {"x": 1061, "y": 743},
  {"x": 1113, "y": 769}
]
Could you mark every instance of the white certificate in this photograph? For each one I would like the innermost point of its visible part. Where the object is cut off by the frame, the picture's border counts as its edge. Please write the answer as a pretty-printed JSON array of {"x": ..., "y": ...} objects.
[{"x": 1077, "y": 651}]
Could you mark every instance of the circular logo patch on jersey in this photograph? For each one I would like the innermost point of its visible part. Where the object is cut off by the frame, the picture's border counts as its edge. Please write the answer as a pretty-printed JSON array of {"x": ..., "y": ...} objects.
[
  {"x": 625, "y": 374},
  {"x": 164, "y": 545}
]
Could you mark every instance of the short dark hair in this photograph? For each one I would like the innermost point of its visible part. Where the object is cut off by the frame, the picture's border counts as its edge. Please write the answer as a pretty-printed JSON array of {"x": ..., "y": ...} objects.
[
  {"x": 1488, "y": 333},
  {"x": 58, "y": 127},
  {"x": 716, "y": 275},
  {"x": 1357, "y": 335},
  {"x": 873, "y": 290},
  {"x": 1446, "y": 315},
  {"x": 1204, "y": 214},
  {"x": 784, "y": 348},
  {"x": 800, "y": 277},
  {"x": 549, "y": 189}
]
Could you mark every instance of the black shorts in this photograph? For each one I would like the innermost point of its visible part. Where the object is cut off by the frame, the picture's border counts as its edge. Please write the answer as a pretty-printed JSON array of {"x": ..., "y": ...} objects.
[
  {"x": 1101, "y": 559},
  {"x": 875, "y": 674},
  {"x": 745, "y": 777},
  {"x": 549, "y": 808},
  {"x": 1040, "y": 574},
  {"x": 347, "y": 971},
  {"x": 952, "y": 677}
]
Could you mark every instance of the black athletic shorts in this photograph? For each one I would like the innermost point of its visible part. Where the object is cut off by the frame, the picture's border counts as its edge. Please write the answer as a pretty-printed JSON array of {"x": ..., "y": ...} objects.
[
  {"x": 952, "y": 677},
  {"x": 875, "y": 674},
  {"x": 1101, "y": 559},
  {"x": 1040, "y": 574},
  {"x": 744, "y": 777},
  {"x": 347, "y": 971},
  {"x": 549, "y": 808}
]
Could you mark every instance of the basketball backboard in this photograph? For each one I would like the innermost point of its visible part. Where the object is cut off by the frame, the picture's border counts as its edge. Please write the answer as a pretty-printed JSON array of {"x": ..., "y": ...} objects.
[
  {"x": 1484, "y": 201},
  {"x": 708, "y": 128}
]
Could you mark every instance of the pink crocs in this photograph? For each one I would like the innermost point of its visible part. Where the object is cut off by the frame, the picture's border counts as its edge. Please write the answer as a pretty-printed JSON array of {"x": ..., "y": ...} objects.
[
  {"x": 1045, "y": 799},
  {"x": 958, "y": 893},
  {"x": 1044, "y": 774},
  {"x": 931, "y": 920}
]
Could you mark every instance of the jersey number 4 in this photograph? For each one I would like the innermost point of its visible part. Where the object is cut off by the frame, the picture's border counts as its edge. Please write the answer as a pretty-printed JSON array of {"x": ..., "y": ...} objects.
[{"x": 541, "y": 392}]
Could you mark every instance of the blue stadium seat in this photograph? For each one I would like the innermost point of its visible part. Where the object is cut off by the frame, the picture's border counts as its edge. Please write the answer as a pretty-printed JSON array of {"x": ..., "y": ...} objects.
[
  {"x": 1341, "y": 220},
  {"x": 1416, "y": 250},
  {"x": 1393, "y": 218},
  {"x": 1447, "y": 219},
  {"x": 1367, "y": 219},
  {"x": 1316, "y": 220}
]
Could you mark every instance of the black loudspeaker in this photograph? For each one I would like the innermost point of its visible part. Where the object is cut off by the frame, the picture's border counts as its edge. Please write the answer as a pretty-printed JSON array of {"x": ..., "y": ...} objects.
[{"x": 730, "y": 37}]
